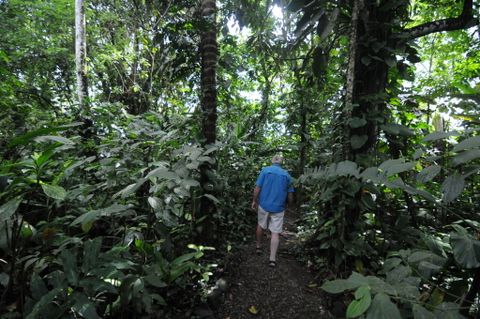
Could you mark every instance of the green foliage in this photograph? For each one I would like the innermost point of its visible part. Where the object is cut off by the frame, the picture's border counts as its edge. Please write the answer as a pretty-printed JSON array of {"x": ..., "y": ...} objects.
[
  {"x": 407, "y": 276},
  {"x": 84, "y": 250},
  {"x": 403, "y": 277},
  {"x": 466, "y": 249},
  {"x": 100, "y": 225},
  {"x": 362, "y": 302}
]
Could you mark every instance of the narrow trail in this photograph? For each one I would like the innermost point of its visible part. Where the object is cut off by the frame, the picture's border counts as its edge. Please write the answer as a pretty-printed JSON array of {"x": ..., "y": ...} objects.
[{"x": 287, "y": 291}]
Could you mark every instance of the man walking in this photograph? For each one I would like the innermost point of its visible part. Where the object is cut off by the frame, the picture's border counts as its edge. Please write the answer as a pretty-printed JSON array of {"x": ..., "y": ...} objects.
[{"x": 272, "y": 190}]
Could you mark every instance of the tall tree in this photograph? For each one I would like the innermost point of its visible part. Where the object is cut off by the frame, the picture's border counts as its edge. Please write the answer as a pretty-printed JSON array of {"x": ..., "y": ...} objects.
[
  {"x": 386, "y": 40},
  {"x": 208, "y": 105},
  {"x": 209, "y": 56},
  {"x": 142, "y": 52},
  {"x": 379, "y": 38},
  {"x": 350, "y": 85},
  {"x": 81, "y": 55}
]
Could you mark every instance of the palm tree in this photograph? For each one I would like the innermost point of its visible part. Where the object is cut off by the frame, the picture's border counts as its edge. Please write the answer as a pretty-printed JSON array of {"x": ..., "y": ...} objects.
[{"x": 208, "y": 104}]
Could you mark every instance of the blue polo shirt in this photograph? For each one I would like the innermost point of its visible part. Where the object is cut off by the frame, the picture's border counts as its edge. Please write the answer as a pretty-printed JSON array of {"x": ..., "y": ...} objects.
[{"x": 274, "y": 183}]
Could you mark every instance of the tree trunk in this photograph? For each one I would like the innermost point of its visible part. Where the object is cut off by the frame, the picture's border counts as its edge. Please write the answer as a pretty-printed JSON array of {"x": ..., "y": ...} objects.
[
  {"x": 350, "y": 86},
  {"x": 208, "y": 53},
  {"x": 208, "y": 102},
  {"x": 370, "y": 80},
  {"x": 80, "y": 56},
  {"x": 303, "y": 132},
  {"x": 376, "y": 39}
]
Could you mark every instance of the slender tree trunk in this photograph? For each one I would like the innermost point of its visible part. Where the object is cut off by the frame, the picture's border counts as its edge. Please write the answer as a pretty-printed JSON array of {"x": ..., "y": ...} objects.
[
  {"x": 87, "y": 130},
  {"x": 80, "y": 55},
  {"x": 303, "y": 147},
  {"x": 209, "y": 54},
  {"x": 352, "y": 62}
]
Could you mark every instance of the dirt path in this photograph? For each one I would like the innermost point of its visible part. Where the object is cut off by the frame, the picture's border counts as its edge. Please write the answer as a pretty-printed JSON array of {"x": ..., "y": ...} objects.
[{"x": 287, "y": 291}]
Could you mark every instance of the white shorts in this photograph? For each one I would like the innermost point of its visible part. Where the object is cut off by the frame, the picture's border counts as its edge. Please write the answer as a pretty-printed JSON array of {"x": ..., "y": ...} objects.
[{"x": 274, "y": 221}]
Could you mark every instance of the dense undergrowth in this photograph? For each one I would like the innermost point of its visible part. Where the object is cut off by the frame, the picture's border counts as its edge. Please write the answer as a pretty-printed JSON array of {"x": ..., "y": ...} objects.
[
  {"x": 405, "y": 232},
  {"x": 100, "y": 214},
  {"x": 106, "y": 228}
]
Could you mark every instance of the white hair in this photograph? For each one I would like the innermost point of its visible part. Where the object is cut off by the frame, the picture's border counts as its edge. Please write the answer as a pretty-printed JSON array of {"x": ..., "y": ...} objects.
[{"x": 277, "y": 159}]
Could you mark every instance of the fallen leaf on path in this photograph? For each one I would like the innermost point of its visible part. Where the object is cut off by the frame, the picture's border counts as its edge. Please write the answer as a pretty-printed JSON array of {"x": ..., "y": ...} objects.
[{"x": 253, "y": 310}]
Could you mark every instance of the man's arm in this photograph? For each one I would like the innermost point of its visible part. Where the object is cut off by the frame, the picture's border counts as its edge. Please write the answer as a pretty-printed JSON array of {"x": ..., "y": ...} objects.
[{"x": 256, "y": 192}]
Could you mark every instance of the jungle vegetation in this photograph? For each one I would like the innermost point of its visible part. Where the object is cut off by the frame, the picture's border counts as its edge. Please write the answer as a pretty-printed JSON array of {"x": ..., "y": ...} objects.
[{"x": 131, "y": 133}]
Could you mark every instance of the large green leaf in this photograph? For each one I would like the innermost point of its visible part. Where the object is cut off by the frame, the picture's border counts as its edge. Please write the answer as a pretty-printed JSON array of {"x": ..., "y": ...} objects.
[
  {"x": 27, "y": 137},
  {"x": 469, "y": 143},
  {"x": 409, "y": 290},
  {"x": 155, "y": 280},
  {"x": 356, "y": 122},
  {"x": 436, "y": 245},
  {"x": 448, "y": 310},
  {"x": 452, "y": 187},
  {"x": 398, "y": 273},
  {"x": 54, "y": 191},
  {"x": 52, "y": 138},
  {"x": 189, "y": 183},
  {"x": 45, "y": 156},
  {"x": 358, "y": 141},
  {"x": 426, "y": 255},
  {"x": 466, "y": 250},
  {"x": 371, "y": 174},
  {"x": 420, "y": 312},
  {"x": 466, "y": 156},
  {"x": 69, "y": 262},
  {"x": 8, "y": 209},
  {"x": 397, "y": 129},
  {"x": 383, "y": 308},
  {"x": 384, "y": 166},
  {"x": 91, "y": 251},
  {"x": 427, "y": 269},
  {"x": 76, "y": 164},
  {"x": 155, "y": 203},
  {"x": 439, "y": 135},
  {"x": 130, "y": 189},
  {"x": 428, "y": 173},
  {"x": 340, "y": 285},
  {"x": 162, "y": 172},
  {"x": 84, "y": 306},
  {"x": 93, "y": 215},
  {"x": 186, "y": 257},
  {"x": 37, "y": 287},
  {"x": 346, "y": 168},
  {"x": 395, "y": 166},
  {"x": 378, "y": 285},
  {"x": 399, "y": 168},
  {"x": 43, "y": 302},
  {"x": 363, "y": 300}
]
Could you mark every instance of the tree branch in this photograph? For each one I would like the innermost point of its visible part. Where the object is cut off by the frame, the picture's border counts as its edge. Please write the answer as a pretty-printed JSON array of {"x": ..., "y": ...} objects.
[{"x": 463, "y": 21}]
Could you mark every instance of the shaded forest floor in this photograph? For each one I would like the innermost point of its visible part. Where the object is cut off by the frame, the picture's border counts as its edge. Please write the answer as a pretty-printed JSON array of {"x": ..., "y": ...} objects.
[{"x": 287, "y": 291}]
